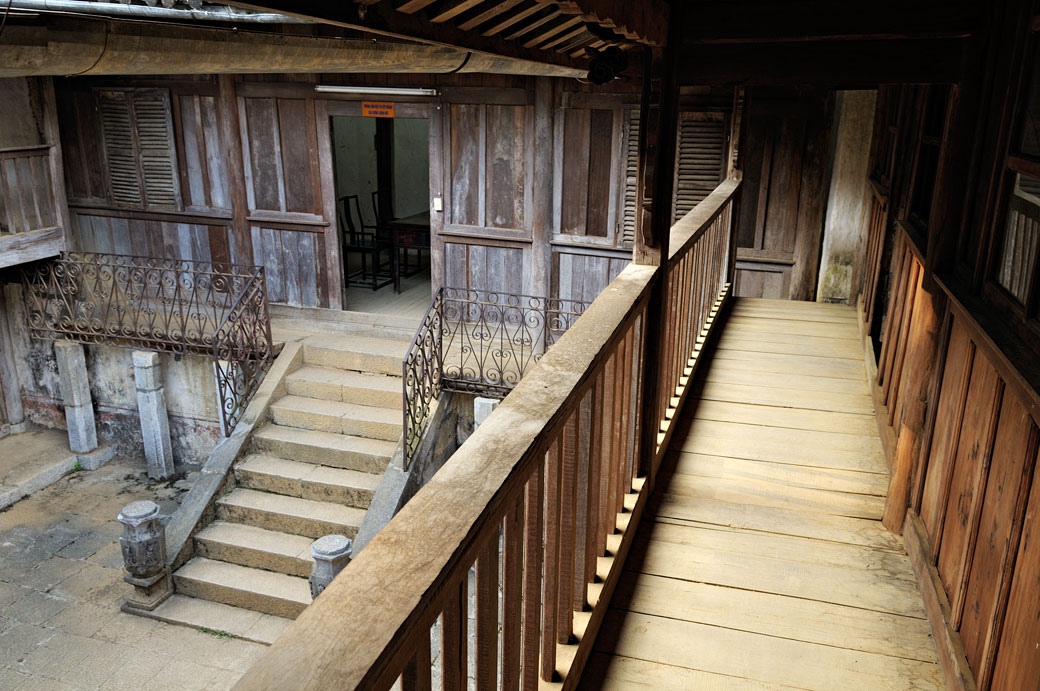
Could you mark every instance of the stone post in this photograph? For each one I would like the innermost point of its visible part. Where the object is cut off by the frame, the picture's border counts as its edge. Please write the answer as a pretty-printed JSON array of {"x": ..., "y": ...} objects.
[
  {"x": 155, "y": 424},
  {"x": 482, "y": 408},
  {"x": 331, "y": 554},
  {"x": 75, "y": 390},
  {"x": 144, "y": 554}
]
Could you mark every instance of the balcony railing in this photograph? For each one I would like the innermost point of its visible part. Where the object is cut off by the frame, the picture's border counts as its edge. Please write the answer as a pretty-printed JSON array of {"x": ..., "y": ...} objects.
[
  {"x": 477, "y": 342},
  {"x": 169, "y": 305},
  {"x": 543, "y": 499}
]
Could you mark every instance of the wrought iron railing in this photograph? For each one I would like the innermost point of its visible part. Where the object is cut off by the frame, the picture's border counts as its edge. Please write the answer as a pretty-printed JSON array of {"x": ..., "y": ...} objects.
[
  {"x": 171, "y": 305},
  {"x": 477, "y": 342}
]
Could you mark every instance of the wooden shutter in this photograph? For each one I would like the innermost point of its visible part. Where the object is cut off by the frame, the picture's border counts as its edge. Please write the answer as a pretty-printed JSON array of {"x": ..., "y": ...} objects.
[
  {"x": 138, "y": 142},
  {"x": 631, "y": 153},
  {"x": 155, "y": 148},
  {"x": 123, "y": 177},
  {"x": 700, "y": 159}
]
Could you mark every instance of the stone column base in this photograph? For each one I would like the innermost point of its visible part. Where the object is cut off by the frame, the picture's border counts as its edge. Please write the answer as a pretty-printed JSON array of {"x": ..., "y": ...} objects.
[{"x": 149, "y": 593}]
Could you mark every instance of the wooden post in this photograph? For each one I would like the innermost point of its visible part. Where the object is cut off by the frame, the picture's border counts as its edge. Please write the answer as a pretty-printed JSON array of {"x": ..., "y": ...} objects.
[
  {"x": 658, "y": 120},
  {"x": 231, "y": 134},
  {"x": 921, "y": 358}
]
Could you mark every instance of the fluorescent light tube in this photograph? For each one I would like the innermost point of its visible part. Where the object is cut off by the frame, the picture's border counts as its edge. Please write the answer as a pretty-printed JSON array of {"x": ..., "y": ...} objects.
[{"x": 375, "y": 90}]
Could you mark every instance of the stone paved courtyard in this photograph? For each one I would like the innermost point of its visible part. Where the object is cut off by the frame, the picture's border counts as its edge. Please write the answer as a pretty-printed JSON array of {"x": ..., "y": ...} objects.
[{"x": 61, "y": 587}]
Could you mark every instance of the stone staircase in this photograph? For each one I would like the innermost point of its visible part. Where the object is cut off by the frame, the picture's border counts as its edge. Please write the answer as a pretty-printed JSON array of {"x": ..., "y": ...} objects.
[{"x": 313, "y": 470}]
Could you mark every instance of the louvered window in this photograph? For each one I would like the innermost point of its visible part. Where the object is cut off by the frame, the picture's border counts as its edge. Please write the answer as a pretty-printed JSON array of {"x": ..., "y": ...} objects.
[
  {"x": 138, "y": 141},
  {"x": 631, "y": 161},
  {"x": 700, "y": 158}
]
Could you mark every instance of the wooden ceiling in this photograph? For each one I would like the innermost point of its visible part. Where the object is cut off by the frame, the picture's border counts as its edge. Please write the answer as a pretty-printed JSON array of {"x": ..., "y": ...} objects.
[{"x": 562, "y": 32}]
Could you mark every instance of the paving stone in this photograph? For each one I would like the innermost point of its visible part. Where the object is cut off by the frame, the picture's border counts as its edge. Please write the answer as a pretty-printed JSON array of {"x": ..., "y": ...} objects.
[
  {"x": 102, "y": 663},
  {"x": 9, "y": 592},
  {"x": 83, "y": 618},
  {"x": 93, "y": 583},
  {"x": 223, "y": 680},
  {"x": 19, "y": 640},
  {"x": 110, "y": 557},
  {"x": 11, "y": 679},
  {"x": 183, "y": 675},
  {"x": 34, "y": 607},
  {"x": 89, "y": 544},
  {"x": 126, "y": 629},
  {"x": 53, "y": 571}
]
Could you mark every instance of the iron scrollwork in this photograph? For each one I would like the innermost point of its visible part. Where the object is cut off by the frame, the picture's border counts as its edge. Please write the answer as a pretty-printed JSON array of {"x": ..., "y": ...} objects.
[
  {"x": 477, "y": 342},
  {"x": 171, "y": 305}
]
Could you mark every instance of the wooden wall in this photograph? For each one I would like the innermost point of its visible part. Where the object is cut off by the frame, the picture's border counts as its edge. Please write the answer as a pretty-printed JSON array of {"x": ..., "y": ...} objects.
[
  {"x": 957, "y": 387},
  {"x": 536, "y": 177}
]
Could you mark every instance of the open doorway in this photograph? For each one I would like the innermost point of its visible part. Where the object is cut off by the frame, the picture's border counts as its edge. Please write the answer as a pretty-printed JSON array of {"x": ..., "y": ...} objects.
[{"x": 382, "y": 169}]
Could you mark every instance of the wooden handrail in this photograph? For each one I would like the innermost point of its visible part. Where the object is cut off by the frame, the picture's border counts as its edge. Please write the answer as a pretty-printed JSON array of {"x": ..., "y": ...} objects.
[
  {"x": 367, "y": 625},
  {"x": 554, "y": 472},
  {"x": 698, "y": 220}
]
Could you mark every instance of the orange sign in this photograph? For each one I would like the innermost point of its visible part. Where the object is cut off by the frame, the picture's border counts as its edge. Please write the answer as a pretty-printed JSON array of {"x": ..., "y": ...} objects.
[{"x": 377, "y": 109}]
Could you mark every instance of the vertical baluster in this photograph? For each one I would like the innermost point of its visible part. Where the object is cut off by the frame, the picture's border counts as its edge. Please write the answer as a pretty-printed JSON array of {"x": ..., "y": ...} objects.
[
  {"x": 625, "y": 484},
  {"x": 416, "y": 675},
  {"x": 487, "y": 615},
  {"x": 512, "y": 594},
  {"x": 618, "y": 447},
  {"x": 568, "y": 487},
  {"x": 533, "y": 546},
  {"x": 608, "y": 429},
  {"x": 552, "y": 557},
  {"x": 582, "y": 521},
  {"x": 616, "y": 504},
  {"x": 595, "y": 526},
  {"x": 454, "y": 640},
  {"x": 684, "y": 351},
  {"x": 642, "y": 465}
]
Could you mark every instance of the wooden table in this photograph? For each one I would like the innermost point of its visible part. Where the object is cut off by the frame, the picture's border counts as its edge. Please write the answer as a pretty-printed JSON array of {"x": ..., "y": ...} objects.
[{"x": 410, "y": 232}]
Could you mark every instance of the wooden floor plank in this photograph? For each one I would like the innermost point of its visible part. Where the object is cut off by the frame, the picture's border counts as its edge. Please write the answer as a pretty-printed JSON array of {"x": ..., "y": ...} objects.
[
  {"x": 789, "y": 345},
  {"x": 758, "y": 657},
  {"x": 873, "y": 590},
  {"x": 787, "y": 380},
  {"x": 799, "y": 305},
  {"x": 794, "y": 315},
  {"x": 776, "y": 615},
  {"x": 761, "y": 562},
  {"x": 809, "y": 477},
  {"x": 789, "y": 398},
  {"x": 793, "y": 418},
  {"x": 777, "y": 495},
  {"x": 780, "y": 444},
  {"x": 854, "y": 531},
  {"x": 793, "y": 326},
  {"x": 782, "y": 363},
  {"x": 620, "y": 673},
  {"x": 791, "y": 548}
]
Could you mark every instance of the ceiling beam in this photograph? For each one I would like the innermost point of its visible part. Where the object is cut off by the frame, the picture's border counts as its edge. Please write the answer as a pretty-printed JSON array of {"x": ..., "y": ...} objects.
[
  {"x": 381, "y": 18},
  {"x": 838, "y": 64},
  {"x": 752, "y": 21}
]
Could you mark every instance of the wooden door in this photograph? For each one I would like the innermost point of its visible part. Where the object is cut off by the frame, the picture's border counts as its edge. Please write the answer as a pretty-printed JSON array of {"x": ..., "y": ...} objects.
[
  {"x": 486, "y": 168},
  {"x": 781, "y": 211}
]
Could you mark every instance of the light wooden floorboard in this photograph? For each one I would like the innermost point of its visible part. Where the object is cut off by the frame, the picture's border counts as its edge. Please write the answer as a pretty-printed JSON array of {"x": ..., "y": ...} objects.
[
  {"x": 761, "y": 561},
  {"x": 413, "y": 300}
]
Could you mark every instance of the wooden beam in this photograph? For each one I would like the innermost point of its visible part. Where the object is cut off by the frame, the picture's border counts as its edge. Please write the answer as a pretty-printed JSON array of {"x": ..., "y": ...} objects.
[
  {"x": 20, "y": 248},
  {"x": 383, "y": 19},
  {"x": 845, "y": 64},
  {"x": 752, "y": 21}
]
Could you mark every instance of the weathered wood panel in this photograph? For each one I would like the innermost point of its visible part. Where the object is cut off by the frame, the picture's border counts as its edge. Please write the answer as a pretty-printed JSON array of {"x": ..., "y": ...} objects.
[
  {"x": 294, "y": 262},
  {"x": 583, "y": 275},
  {"x": 482, "y": 267}
]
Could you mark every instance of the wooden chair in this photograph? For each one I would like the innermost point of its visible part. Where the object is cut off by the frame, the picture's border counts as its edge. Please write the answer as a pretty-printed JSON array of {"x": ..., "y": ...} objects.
[
  {"x": 381, "y": 200},
  {"x": 367, "y": 241}
]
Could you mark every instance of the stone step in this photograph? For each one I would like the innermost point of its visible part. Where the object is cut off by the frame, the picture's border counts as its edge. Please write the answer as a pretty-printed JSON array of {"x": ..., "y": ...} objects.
[
  {"x": 325, "y": 448},
  {"x": 248, "y": 545},
  {"x": 338, "y": 417},
  {"x": 289, "y": 514},
  {"x": 240, "y": 586},
  {"x": 330, "y": 384},
  {"x": 220, "y": 619},
  {"x": 379, "y": 355},
  {"x": 307, "y": 480}
]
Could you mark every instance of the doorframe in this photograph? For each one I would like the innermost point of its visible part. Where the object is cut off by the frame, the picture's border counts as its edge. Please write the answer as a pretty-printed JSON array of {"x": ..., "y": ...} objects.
[{"x": 351, "y": 108}]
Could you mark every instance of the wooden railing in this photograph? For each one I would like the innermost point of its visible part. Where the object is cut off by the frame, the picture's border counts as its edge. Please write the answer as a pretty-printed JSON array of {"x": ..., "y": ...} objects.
[
  {"x": 26, "y": 190},
  {"x": 541, "y": 504}
]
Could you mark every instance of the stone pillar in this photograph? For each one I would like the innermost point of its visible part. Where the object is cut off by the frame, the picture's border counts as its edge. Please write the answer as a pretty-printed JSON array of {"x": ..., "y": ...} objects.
[
  {"x": 482, "y": 408},
  {"x": 331, "y": 554},
  {"x": 155, "y": 424},
  {"x": 75, "y": 390},
  {"x": 144, "y": 554}
]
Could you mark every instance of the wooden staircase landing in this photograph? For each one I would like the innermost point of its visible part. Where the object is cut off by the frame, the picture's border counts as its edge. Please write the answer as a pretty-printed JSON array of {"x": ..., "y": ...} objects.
[{"x": 762, "y": 561}]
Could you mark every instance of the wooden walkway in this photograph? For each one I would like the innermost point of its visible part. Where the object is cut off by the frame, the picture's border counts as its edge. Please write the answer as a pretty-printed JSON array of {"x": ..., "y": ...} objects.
[{"x": 762, "y": 562}]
